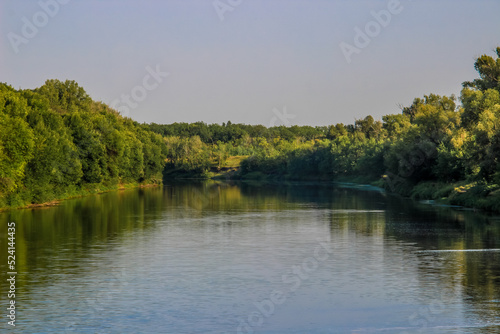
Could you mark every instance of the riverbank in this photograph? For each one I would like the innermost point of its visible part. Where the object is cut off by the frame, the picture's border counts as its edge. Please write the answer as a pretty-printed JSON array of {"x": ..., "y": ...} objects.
[
  {"x": 473, "y": 195},
  {"x": 77, "y": 193}
]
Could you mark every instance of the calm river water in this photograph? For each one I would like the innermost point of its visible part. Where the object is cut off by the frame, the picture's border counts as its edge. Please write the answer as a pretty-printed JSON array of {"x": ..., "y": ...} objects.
[{"x": 242, "y": 258}]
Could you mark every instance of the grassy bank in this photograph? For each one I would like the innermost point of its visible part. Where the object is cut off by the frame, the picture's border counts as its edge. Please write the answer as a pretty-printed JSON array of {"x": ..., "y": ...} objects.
[
  {"x": 476, "y": 195},
  {"x": 89, "y": 189}
]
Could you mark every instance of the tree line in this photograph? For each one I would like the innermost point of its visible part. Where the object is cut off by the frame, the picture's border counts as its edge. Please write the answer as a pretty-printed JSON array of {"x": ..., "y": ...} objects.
[
  {"x": 439, "y": 146},
  {"x": 56, "y": 142}
]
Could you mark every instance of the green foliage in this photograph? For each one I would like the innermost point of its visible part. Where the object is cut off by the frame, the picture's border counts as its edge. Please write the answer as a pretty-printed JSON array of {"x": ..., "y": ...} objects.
[
  {"x": 484, "y": 146},
  {"x": 475, "y": 102},
  {"x": 439, "y": 102},
  {"x": 56, "y": 165},
  {"x": 336, "y": 131},
  {"x": 489, "y": 73},
  {"x": 56, "y": 142},
  {"x": 369, "y": 127},
  {"x": 396, "y": 126},
  {"x": 64, "y": 96},
  {"x": 16, "y": 150},
  {"x": 231, "y": 133},
  {"x": 188, "y": 154}
]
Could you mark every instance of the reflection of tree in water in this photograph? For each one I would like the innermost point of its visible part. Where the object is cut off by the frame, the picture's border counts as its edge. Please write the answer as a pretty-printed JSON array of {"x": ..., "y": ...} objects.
[
  {"x": 473, "y": 277},
  {"x": 76, "y": 226},
  {"x": 46, "y": 237}
]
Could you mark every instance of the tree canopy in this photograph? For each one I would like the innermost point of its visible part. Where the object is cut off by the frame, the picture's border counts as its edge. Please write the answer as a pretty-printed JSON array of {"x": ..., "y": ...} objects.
[{"x": 56, "y": 142}]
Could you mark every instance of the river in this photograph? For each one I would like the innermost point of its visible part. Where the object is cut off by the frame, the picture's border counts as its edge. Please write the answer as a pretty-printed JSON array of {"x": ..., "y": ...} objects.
[{"x": 216, "y": 257}]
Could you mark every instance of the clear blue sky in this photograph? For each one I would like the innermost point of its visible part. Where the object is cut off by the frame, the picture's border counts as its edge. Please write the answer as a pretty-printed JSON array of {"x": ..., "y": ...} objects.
[{"x": 264, "y": 54}]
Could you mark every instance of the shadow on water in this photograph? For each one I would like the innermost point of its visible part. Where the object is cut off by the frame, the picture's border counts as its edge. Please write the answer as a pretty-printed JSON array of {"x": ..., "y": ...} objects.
[
  {"x": 47, "y": 237},
  {"x": 368, "y": 212},
  {"x": 55, "y": 243}
]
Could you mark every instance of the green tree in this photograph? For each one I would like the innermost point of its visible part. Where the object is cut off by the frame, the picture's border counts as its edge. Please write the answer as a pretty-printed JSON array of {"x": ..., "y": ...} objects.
[
  {"x": 65, "y": 96},
  {"x": 396, "y": 125},
  {"x": 336, "y": 131},
  {"x": 489, "y": 73},
  {"x": 475, "y": 102}
]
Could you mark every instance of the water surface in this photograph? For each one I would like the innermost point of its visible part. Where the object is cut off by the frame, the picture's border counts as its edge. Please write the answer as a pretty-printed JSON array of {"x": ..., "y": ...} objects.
[{"x": 242, "y": 258}]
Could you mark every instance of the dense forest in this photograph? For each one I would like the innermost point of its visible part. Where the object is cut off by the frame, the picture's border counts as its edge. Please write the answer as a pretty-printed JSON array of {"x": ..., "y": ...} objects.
[
  {"x": 55, "y": 142},
  {"x": 439, "y": 147}
]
